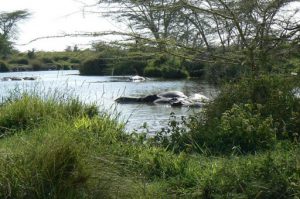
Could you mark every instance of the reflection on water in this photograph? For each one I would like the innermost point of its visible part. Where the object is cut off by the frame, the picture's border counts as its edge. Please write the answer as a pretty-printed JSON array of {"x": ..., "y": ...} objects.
[{"x": 105, "y": 89}]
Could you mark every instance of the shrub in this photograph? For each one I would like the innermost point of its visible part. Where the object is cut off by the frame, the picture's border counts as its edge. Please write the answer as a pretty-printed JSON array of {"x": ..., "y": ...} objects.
[
  {"x": 166, "y": 67},
  {"x": 275, "y": 94},
  {"x": 170, "y": 73},
  {"x": 94, "y": 66},
  {"x": 36, "y": 65},
  {"x": 75, "y": 61},
  {"x": 240, "y": 127},
  {"x": 194, "y": 68},
  {"x": 152, "y": 72},
  {"x": 46, "y": 60},
  {"x": 67, "y": 67},
  {"x": 23, "y": 61},
  {"x": 129, "y": 67},
  {"x": 63, "y": 66},
  {"x": 3, "y": 67},
  {"x": 60, "y": 58},
  {"x": 219, "y": 72}
]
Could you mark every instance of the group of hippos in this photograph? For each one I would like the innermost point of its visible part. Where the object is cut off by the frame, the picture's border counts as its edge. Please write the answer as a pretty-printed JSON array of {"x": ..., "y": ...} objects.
[
  {"x": 18, "y": 78},
  {"x": 174, "y": 98}
]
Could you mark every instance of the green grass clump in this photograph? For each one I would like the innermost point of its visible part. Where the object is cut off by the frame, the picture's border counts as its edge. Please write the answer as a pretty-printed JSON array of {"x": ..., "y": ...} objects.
[
  {"x": 55, "y": 157},
  {"x": 29, "y": 111},
  {"x": 45, "y": 165}
]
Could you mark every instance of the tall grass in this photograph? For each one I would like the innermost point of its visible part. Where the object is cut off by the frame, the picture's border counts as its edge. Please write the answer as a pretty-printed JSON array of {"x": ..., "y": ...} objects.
[{"x": 61, "y": 148}]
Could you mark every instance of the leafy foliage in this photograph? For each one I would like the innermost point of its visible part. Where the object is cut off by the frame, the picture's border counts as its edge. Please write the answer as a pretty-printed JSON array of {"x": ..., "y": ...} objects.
[{"x": 94, "y": 66}]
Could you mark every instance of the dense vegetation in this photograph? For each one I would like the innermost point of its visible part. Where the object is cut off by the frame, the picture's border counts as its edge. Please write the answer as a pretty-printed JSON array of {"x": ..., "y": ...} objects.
[{"x": 244, "y": 145}]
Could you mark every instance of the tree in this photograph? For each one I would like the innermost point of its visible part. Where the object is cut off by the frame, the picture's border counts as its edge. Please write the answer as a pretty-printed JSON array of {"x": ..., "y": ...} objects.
[
  {"x": 253, "y": 33},
  {"x": 250, "y": 33},
  {"x": 152, "y": 19},
  {"x": 8, "y": 28}
]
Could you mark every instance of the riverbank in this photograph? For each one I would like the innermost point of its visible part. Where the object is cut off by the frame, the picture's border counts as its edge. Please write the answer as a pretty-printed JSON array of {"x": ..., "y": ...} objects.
[{"x": 67, "y": 149}]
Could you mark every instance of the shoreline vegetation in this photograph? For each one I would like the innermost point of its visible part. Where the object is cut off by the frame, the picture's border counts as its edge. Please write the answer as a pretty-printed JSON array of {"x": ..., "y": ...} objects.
[
  {"x": 245, "y": 145},
  {"x": 110, "y": 60}
]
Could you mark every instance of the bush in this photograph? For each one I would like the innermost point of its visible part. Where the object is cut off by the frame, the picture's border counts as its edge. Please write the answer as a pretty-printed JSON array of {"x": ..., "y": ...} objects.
[
  {"x": 61, "y": 58},
  {"x": 220, "y": 72},
  {"x": 36, "y": 65},
  {"x": 67, "y": 67},
  {"x": 166, "y": 67},
  {"x": 3, "y": 67},
  {"x": 63, "y": 66},
  {"x": 129, "y": 67},
  {"x": 75, "y": 61},
  {"x": 194, "y": 68},
  {"x": 170, "y": 73},
  {"x": 94, "y": 66},
  {"x": 152, "y": 72},
  {"x": 275, "y": 94},
  {"x": 242, "y": 129},
  {"x": 23, "y": 61},
  {"x": 247, "y": 116},
  {"x": 46, "y": 60}
]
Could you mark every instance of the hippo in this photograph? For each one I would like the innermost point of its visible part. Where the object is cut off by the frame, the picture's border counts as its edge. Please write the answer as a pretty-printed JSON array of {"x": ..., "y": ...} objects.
[
  {"x": 174, "y": 98},
  {"x": 6, "y": 79},
  {"x": 30, "y": 78},
  {"x": 199, "y": 98},
  {"x": 186, "y": 103},
  {"x": 169, "y": 97},
  {"x": 18, "y": 78},
  {"x": 147, "y": 99},
  {"x": 172, "y": 94},
  {"x": 137, "y": 78}
]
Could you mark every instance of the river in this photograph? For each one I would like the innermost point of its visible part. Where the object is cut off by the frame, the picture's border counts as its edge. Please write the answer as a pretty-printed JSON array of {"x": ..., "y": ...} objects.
[{"x": 103, "y": 90}]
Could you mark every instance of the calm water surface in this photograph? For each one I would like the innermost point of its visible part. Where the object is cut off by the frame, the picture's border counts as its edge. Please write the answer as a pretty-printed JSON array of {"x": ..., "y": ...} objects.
[{"x": 105, "y": 89}]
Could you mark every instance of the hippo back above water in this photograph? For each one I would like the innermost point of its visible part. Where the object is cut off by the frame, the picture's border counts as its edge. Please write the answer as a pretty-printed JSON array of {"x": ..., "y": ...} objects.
[
  {"x": 174, "y": 98},
  {"x": 172, "y": 94}
]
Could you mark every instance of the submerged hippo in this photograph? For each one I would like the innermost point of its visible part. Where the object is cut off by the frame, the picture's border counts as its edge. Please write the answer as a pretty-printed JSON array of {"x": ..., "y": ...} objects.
[
  {"x": 18, "y": 78},
  {"x": 147, "y": 99},
  {"x": 137, "y": 78},
  {"x": 174, "y": 98}
]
